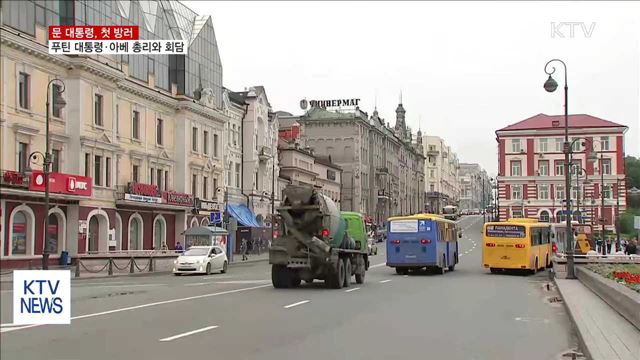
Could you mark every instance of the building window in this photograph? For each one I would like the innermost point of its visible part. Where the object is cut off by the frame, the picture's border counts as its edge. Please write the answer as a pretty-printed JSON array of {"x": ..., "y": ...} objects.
[
  {"x": 56, "y": 110},
  {"x": 516, "y": 192},
  {"x": 55, "y": 161},
  {"x": 205, "y": 141},
  {"x": 543, "y": 192},
  {"x": 135, "y": 125},
  {"x": 606, "y": 166},
  {"x": 194, "y": 139},
  {"x": 576, "y": 145},
  {"x": 135, "y": 173},
  {"x": 23, "y": 157},
  {"x": 432, "y": 173},
  {"x": 166, "y": 180},
  {"x": 205, "y": 186},
  {"x": 160, "y": 178},
  {"x": 560, "y": 192},
  {"x": 23, "y": 90},
  {"x": 516, "y": 168},
  {"x": 159, "y": 123},
  {"x": 516, "y": 147},
  {"x": 604, "y": 143},
  {"x": 237, "y": 175},
  {"x": 543, "y": 145},
  {"x": 135, "y": 234},
  {"x": 575, "y": 192},
  {"x": 118, "y": 119},
  {"x": 516, "y": 213},
  {"x": 331, "y": 175},
  {"x": 97, "y": 110},
  {"x": 215, "y": 145},
  {"x": 107, "y": 172},
  {"x": 559, "y": 142},
  {"x": 215, "y": 185},
  {"x": 97, "y": 170},
  {"x": 194, "y": 184},
  {"x": 87, "y": 165},
  {"x": 606, "y": 191},
  {"x": 559, "y": 168},
  {"x": 544, "y": 216},
  {"x": 543, "y": 167},
  {"x": 159, "y": 233},
  {"x": 20, "y": 230}
]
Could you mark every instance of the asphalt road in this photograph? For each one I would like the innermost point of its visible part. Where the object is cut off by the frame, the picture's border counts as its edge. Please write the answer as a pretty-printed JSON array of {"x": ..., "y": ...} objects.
[{"x": 466, "y": 314}]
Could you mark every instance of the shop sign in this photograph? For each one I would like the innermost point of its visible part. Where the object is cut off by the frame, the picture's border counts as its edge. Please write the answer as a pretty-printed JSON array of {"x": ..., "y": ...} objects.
[
  {"x": 143, "y": 198},
  {"x": 135, "y": 188},
  {"x": 180, "y": 199},
  {"x": 334, "y": 103},
  {"x": 14, "y": 178},
  {"x": 60, "y": 183},
  {"x": 206, "y": 205}
]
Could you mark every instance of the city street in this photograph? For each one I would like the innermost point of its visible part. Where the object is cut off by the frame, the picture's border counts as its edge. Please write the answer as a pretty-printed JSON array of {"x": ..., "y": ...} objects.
[{"x": 467, "y": 314}]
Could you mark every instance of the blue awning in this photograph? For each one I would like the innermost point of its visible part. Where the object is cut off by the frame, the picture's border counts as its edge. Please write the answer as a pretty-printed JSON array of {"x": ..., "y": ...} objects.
[{"x": 243, "y": 214}]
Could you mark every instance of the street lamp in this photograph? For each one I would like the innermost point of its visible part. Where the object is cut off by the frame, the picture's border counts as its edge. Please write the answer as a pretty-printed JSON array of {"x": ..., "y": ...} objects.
[
  {"x": 550, "y": 86},
  {"x": 59, "y": 103}
]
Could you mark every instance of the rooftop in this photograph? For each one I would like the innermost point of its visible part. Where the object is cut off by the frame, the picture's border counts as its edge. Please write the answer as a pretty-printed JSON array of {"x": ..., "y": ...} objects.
[{"x": 543, "y": 121}]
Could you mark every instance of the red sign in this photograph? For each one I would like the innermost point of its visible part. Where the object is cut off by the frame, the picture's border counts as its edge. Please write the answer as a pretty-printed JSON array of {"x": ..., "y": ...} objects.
[
  {"x": 94, "y": 33},
  {"x": 143, "y": 189},
  {"x": 14, "y": 178},
  {"x": 60, "y": 183},
  {"x": 180, "y": 199}
]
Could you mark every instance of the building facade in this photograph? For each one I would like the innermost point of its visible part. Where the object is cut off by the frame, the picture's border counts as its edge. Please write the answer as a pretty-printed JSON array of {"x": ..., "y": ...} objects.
[
  {"x": 145, "y": 131},
  {"x": 475, "y": 187},
  {"x": 441, "y": 170},
  {"x": 531, "y": 180},
  {"x": 382, "y": 168}
]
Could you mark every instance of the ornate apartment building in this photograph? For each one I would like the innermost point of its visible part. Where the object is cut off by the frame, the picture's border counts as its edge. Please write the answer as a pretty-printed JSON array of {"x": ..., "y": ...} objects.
[
  {"x": 531, "y": 169},
  {"x": 441, "y": 170},
  {"x": 382, "y": 169},
  {"x": 475, "y": 187},
  {"x": 141, "y": 142}
]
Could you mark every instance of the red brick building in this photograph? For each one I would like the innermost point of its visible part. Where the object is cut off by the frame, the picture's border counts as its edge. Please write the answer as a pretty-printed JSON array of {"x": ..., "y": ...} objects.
[{"x": 531, "y": 169}]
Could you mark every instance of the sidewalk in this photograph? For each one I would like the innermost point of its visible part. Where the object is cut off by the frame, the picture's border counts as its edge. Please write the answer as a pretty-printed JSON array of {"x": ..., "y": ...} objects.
[
  {"x": 6, "y": 277},
  {"x": 604, "y": 334}
]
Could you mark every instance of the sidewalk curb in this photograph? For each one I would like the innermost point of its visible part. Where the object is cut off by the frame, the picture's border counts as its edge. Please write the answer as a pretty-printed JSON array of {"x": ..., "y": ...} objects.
[{"x": 581, "y": 343}]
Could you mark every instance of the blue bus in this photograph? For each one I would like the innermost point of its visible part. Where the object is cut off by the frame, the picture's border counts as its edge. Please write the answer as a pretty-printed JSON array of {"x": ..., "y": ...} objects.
[{"x": 422, "y": 241}]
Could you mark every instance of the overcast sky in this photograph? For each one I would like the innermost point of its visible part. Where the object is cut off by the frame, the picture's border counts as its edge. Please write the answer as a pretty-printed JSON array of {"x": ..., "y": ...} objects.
[{"x": 465, "y": 69}]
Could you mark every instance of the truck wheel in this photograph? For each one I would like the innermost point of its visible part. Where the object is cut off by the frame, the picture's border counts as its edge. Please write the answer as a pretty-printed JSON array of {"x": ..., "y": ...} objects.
[
  {"x": 347, "y": 272},
  {"x": 338, "y": 277},
  {"x": 279, "y": 276},
  {"x": 294, "y": 279},
  {"x": 360, "y": 278},
  {"x": 402, "y": 271}
]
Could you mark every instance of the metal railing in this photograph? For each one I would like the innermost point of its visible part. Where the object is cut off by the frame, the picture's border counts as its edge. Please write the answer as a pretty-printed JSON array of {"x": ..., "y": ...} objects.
[{"x": 137, "y": 261}]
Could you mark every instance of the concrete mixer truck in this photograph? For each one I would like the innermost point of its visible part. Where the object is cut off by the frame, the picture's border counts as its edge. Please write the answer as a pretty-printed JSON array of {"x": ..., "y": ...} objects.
[{"x": 313, "y": 242}]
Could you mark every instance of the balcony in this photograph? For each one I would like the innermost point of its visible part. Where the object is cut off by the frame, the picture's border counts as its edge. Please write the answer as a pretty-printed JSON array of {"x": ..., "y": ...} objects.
[{"x": 264, "y": 153}]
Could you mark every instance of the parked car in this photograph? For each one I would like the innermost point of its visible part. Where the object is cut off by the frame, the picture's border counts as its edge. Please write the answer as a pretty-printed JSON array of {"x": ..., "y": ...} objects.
[
  {"x": 373, "y": 248},
  {"x": 201, "y": 259}
]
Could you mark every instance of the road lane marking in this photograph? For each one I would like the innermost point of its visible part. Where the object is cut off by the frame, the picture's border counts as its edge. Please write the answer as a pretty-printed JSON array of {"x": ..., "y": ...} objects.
[
  {"x": 384, "y": 281},
  {"x": 296, "y": 304},
  {"x": 129, "y": 308},
  {"x": 121, "y": 286},
  {"x": 377, "y": 265},
  {"x": 189, "y": 333},
  {"x": 199, "y": 284},
  {"x": 350, "y": 290},
  {"x": 245, "y": 282}
]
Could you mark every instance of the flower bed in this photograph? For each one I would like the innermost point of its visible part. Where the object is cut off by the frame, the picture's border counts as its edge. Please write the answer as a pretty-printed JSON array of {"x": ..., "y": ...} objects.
[{"x": 625, "y": 274}]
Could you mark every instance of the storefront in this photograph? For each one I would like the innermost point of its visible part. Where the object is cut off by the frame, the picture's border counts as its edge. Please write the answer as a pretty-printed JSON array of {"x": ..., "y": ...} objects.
[
  {"x": 151, "y": 219},
  {"x": 23, "y": 213}
]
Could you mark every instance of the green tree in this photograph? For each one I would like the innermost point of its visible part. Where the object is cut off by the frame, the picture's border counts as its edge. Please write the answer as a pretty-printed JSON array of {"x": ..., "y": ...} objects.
[{"x": 632, "y": 171}]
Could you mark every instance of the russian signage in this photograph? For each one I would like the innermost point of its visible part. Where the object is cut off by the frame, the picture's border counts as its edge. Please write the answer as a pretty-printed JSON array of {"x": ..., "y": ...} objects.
[
  {"x": 145, "y": 193},
  {"x": 143, "y": 198},
  {"x": 206, "y": 205},
  {"x": 506, "y": 231},
  {"x": 41, "y": 297},
  {"x": 14, "y": 178},
  {"x": 334, "y": 103},
  {"x": 62, "y": 183},
  {"x": 180, "y": 199}
]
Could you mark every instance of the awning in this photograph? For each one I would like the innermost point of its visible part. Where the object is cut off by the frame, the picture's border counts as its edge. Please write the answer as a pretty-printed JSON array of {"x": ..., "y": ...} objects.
[{"x": 243, "y": 214}]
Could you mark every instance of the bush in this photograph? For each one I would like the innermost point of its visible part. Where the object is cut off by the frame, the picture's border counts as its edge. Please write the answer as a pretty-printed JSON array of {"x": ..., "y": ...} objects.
[{"x": 626, "y": 221}]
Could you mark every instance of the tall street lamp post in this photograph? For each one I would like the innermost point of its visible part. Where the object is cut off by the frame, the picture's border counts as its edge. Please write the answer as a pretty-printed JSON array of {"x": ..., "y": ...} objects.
[
  {"x": 550, "y": 86},
  {"x": 59, "y": 103}
]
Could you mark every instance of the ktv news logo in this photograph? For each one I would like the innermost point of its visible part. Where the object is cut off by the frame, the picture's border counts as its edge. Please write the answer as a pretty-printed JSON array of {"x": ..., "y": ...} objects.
[{"x": 41, "y": 297}]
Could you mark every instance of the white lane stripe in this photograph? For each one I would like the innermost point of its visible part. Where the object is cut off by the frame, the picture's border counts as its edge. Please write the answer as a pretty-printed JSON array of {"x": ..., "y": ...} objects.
[
  {"x": 188, "y": 333},
  {"x": 198, "y": 284},
  {"x": 377, "y": 265},
  {"x": 296, "y": 304},
  {"x": 384, "y": 281},
  {"x": 350, "y": 290},
  {"x": 147, "y": 305},
  {"x": 122, "y": 286},
  {"x": 80, "y": 284}
]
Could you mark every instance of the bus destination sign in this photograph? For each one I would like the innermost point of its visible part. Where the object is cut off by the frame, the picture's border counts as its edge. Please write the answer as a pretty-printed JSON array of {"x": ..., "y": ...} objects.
[{"x": 506, "y": 231}]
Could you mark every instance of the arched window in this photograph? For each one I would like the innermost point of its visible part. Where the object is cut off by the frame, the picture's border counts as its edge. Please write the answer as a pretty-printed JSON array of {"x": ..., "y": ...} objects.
[
  {"x": 94, "y": 234},
  {"x": 159, "y": 232},
  {"x": 544, "y": 216},
  {"x": 194, "y": 222},
  {"x": 577, "y": 216},
  {"x": 53, "y": 234},
  {"x": 20, "y": 234},
  {"x": 135, "y": 233},
  {"x": 560, "y": 216},
  {"x": 204, "y": 222}
]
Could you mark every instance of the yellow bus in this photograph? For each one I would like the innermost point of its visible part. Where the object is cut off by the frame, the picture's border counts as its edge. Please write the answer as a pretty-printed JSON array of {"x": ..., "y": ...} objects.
[{"x": 523, "y": 244}]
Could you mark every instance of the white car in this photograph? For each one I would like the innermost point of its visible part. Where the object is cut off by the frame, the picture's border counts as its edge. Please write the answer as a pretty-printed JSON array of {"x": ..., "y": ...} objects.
[{"x": 201, "y": 259}]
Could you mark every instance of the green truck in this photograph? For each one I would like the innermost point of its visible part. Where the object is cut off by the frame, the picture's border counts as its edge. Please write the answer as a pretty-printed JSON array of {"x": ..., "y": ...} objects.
[{"x": 315, "y": 242}]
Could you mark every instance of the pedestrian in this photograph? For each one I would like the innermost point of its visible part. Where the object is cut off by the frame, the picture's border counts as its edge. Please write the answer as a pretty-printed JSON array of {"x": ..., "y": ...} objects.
[
  {"x": 243, "y": 249},
  {"x": 179, "y": 248},
  {"x": 632, "y": 248}
]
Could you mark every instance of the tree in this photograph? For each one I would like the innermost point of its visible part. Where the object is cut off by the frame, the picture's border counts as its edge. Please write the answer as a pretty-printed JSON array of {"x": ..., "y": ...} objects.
[{"x": 632, "y": 171}]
